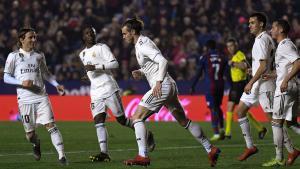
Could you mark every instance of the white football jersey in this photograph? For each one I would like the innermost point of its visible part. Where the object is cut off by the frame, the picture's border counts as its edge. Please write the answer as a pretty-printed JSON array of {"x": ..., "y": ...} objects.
[
  {"x": 27, "y": 66},
  {"x": 146, "y": 52},
  {"x": 286, "y": 54},
  {"x": 103, "y": 83},
  {"x": 263, "y": 49}
]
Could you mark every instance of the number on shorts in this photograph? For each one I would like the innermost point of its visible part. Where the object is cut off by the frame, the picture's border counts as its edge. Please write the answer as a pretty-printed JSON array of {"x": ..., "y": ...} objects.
[
  {"x": 26, "y": 119},
  {"x": 92, "y": 106}
]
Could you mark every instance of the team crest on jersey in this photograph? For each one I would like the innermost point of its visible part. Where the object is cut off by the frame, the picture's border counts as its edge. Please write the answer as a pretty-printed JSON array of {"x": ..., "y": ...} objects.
[
  {"x": 94, "y": 54},
  {"x": 21, "y": 56}
]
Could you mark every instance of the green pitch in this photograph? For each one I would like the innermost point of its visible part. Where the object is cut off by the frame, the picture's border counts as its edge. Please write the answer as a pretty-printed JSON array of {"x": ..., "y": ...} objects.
[{"x": 175, "y": 148}]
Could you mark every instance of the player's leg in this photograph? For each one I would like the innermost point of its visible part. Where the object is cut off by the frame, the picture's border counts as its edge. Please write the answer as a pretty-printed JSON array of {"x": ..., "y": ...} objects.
[
  {"x": 218, "y": 102},
  {"x": 280, "y": 111},
  {"x": 262, "y": 131},
  {"x": 45, "y": 117},
  {"x": 27, "y": 112},
  {"x": 229, "y": 118},
  {"x": 177, "y": 111},
  {"x": 114, "y": 103},
  {"x": 291, "y": 122},
  {"x": 140, "y": 133},
  {"x": 210, "y": 100},
  {"x": 247, "y": 100},
  {"x": 99, "y": 115}
]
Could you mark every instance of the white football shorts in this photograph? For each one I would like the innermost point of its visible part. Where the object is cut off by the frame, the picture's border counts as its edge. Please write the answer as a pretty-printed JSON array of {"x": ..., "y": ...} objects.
[
  {"x": 36, "y": 113},
  {"x": 265, "y": 100},
  {"x": 113, "y": 102},
  {"x": 169, "y": 99}
]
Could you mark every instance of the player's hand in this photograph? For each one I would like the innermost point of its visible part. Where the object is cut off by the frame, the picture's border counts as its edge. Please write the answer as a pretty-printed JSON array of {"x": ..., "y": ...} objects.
[
  {"x": 248, "y": 88},
  {"x": 90, "y": 67},
  {"x": 157, "y": 90},
  {"x": 283, "y": 86},
  {"x": 61, "y": 90},
  {"x": 27, "y": 83},
  {"x": 137, "y": 74}
]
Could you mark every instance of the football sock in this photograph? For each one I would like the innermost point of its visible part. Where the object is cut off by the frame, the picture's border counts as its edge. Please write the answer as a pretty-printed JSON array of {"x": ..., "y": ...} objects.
[
  {"x": 102, "y": 137},
  {"x": 197, "y": 132},
  {"x": 57, "y": 141},
  {"x": 258, "y": 126},
  {"x": 215, "y": 121},
  {"x": 229, "y": 118},
  {"x": 287, "y": 141},
  {"x": 220, "y": 118},
  {"x": 140, "y": 134},
  {"x": 278, "y": 140},
  {"x": 244, "y": 123}
]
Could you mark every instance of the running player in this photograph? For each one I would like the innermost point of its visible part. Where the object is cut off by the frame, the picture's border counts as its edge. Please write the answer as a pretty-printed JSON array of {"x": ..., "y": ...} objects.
[
  {"x": 26, "y": 68},
  {"x": 163, "y": 92},
  {"x": 257, "y": 89},
  {"x": 286, "y": 94},
  {"x": 213, "y": 64},
  {"x": 98, "y": 62},
  {"x": 238, "y": 72}
]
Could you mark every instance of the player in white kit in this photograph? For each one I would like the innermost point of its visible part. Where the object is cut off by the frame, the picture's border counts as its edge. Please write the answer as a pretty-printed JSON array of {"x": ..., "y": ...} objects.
[
  {"x": 257, "y": 89},
  {"x": 287, "y": 61},
  {"x": 163, "y": 92},
  {"x": 98, "y": 61},
  {"x": 27, "y": 69}
]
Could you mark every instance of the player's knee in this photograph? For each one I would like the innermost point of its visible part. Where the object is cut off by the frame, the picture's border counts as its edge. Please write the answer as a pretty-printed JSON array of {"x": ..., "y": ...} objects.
[
  {"x": 184, "y": 123},
  {"x": 100, "y": 118},
  {"x": 50, "y": 125}
]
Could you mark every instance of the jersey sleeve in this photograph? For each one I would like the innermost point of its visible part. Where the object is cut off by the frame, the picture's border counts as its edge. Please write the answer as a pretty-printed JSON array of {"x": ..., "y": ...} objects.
[
  {"x": 262, "y": 49},
  {"x": 10, "y": 64},
  {"x": 150, "y": 51},
  {"x": 107, "y": 54},
  {"x": 291, "y": 53}
]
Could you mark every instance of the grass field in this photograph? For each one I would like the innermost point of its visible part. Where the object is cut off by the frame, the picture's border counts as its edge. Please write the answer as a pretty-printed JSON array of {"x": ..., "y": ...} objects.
[{"x": 176, "y": 148}]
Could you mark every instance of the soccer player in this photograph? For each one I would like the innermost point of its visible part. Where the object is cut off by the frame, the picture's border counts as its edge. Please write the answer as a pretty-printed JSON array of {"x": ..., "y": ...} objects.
[
  {"x": 238, "y": 72},
  {"x": 163, "y": 92},
  {"x": 98, "y": 62},
  {"x": 257, "y": 89},
  {"x": 287, "y": 61},
  {"x": 213, "y": 64},
  {"x": 26, "y": 68}
]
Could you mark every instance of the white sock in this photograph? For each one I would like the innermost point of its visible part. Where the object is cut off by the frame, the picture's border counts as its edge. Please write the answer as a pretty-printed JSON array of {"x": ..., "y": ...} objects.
[
  {"x": 57, "y": 141},
  {"x": 244, "y": 123},
  {"x": 287, "y": 141},
  {"x": 140, "y": 134},
  {"x": 102, "y": 137},
  {"x": 278, "y": 140},
  {"x": 197, "y": 132}
]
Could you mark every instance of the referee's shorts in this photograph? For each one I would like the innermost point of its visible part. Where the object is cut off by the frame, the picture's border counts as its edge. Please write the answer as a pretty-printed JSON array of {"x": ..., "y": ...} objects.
[{"x": 236, "y": 91}]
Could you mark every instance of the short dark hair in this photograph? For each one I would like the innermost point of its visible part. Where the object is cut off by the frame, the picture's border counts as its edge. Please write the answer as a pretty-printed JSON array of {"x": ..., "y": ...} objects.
[
  {"x": 284, "y": 25},
  {"x": 233, "y": 40},
  {"x": 21, "y": 34},
  {"x": 134, "y": 24},
  {"x": 261, "y": 17},
  {"x": 211, "y": 44}
]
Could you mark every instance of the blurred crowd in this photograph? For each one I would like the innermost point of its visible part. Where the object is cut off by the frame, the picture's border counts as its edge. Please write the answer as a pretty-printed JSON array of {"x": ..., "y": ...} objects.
[{"x": 180, "y": 28}]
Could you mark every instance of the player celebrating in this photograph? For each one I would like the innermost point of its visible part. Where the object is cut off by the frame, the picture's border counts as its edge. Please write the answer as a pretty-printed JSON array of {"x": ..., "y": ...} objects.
[
  {"x": 27, "y": 69},
  {"x": 238, "y": 67},
  {"x": 213, "y": 63},
  {"x": 257, "y": 89},
  {"x": 163, "y": 92},
  {"x": 98, "y": 62},
  {"x": 286, "y": 93}
]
